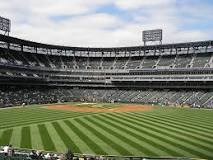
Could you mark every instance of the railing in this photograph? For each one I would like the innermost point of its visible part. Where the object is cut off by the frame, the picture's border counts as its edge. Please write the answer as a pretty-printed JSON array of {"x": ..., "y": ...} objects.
[{"x": 23, "y": 154}]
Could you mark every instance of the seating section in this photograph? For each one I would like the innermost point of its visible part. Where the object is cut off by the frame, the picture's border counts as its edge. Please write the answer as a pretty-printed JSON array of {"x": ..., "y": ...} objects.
[
  {"x": 107, "y": 63},
  {"x": 166, "y": 61},
  {"x": 82, "y": 63},
  {"x": 68, "y": 62},
  {"x": 94, "y": 63},
  {"x": 199, "y": 60},
  {"x": 17, "y": 96},
  {"x": 120, "y": 63},
  {"x": 30, "y": 60},
  {"x": 170, "y": 97},
  {"x": 134, "y": 63},
  {"x": 13, "y": 96},
  {"x": 183, "y": 61},
  {"x": 55, "y": 62},
  {"x": 149, "y": 62}
]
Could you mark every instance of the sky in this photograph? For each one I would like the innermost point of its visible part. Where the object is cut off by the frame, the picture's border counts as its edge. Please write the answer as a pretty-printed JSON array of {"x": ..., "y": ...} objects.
[{"x": 108, "y": 23}]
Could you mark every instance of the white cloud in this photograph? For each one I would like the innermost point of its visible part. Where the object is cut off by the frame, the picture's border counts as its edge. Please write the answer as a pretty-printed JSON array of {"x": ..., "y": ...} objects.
[
  {"x": 64, "y": 7},
  {"x": 136, "y": 4},
  {"x": 83, "y": 26}
]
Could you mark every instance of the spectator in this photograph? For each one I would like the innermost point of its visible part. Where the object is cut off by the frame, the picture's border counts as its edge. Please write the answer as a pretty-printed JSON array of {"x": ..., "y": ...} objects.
[
  {"x": 10, "y": 150},
  {"x": 69, "y": 155},
  {"x": 61, "y": 157},
  {"x": 47, "y": 156},
  {"x": 6, "y": 150},
  {"x": 33, "y": 155},
  {"x": 40, "y": 155},
  {"x": 55, "y": 156}
]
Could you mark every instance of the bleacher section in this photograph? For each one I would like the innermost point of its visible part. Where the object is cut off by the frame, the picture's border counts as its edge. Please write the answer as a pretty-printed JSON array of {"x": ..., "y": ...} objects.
[
  {"x": 201, "y": 60},
  {"x": 17, "y": 96},
  {"x": 68, "y": 62},
  {"x": 166, "y": 62},
  {"x": 134, "y": 63},
  {"x": 170, "y": 97},
  {"x": 183, "y": 72}
]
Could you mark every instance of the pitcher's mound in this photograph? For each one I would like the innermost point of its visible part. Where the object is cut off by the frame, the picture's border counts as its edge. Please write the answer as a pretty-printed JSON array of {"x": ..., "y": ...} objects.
[{"x": 121, "y": 108}]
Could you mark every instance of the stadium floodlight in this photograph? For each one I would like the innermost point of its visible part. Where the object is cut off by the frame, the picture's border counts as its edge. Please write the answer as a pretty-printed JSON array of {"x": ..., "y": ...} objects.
[
  {"x": 5, "y": 25},
  {"x": 152, "y": 35}
]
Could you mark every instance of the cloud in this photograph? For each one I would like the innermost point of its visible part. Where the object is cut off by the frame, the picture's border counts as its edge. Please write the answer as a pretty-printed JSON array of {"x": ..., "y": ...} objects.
[
  {"x": 137, "y": 4},
  {"x": 84, "y": 23},
  {"x": 65, "y": 7}
]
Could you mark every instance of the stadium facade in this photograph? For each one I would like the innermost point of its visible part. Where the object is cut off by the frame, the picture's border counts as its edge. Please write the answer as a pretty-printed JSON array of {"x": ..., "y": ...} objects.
[{"x": 169, "y": 74}]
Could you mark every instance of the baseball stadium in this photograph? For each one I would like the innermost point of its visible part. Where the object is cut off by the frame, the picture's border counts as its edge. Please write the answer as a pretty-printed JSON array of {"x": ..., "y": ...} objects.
[{"x": 127, "y": 103}]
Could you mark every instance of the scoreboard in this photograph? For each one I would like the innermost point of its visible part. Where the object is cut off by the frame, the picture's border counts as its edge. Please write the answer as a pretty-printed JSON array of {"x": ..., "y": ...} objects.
[{"x": 5, "y": 24}]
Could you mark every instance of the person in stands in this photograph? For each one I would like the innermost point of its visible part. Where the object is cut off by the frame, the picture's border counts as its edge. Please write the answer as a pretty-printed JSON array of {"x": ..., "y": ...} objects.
[
  {"x": 11, "y": 151},
  {"x": 6, "y": 150},
  {"x": 33, "y": 155},
  {"x": 69, "y": 155},
  {"x": 40, "y": 155}
]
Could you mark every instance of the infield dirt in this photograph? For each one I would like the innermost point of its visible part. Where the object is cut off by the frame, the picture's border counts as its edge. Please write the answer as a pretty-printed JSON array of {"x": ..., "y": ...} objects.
[{"x": 121, "y": 108}]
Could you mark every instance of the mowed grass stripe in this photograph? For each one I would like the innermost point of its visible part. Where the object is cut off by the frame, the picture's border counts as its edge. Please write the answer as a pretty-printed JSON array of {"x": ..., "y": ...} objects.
[
  {"x": 142, "y": 143},
  {"x": 194, "y": 113},
  {"x": 36, "y": 137},
  {"x": 59, "y": 145},
  {"x": 15, "y": 139},
  {"x": 75, "y": 138},
  {"x": 56, "y": 112},
  {"x": 184, "y": 136},
  {"x": 25, "y": 137},
  {"x": 190, "y": 128},
  {"x": 6, "y": 136},
  {"x": 179, "y": 114},
  {"x": 172, "y": 138},
  {"x": 1, "y": 132},
  {"x": 122, "y": 138},
  {"x": 46, "y": 110},
  {"x": 97, "y": 140},
  {"x": 37, "y": 115},
  {"x": 191, "y": 115},
  {"x": 182, "y": 111},
  {"x": 46, "y": 139},
  {"x": 65, "y": 138},
  {"x": 190, "y": 120},
  {"x": 188, "y": 132},
  {"x": 24, "y": 122},
  {"x": 146, "y": 130},
  {"x": 183, "y": 122},
  {"x": 120, "y": 149},
  {"x": 21, "y": 111},
  {"x": 29, "y": 117},
  {"x": 200, "y": 122},
  {"x": 91, "y": 144},
  {"x": 139, "y": 137},
  {"x": 193, "y": 149}
]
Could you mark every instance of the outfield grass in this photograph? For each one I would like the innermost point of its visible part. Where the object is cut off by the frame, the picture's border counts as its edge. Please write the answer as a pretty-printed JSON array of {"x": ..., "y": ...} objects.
[{"x": 161, "y": 132}]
